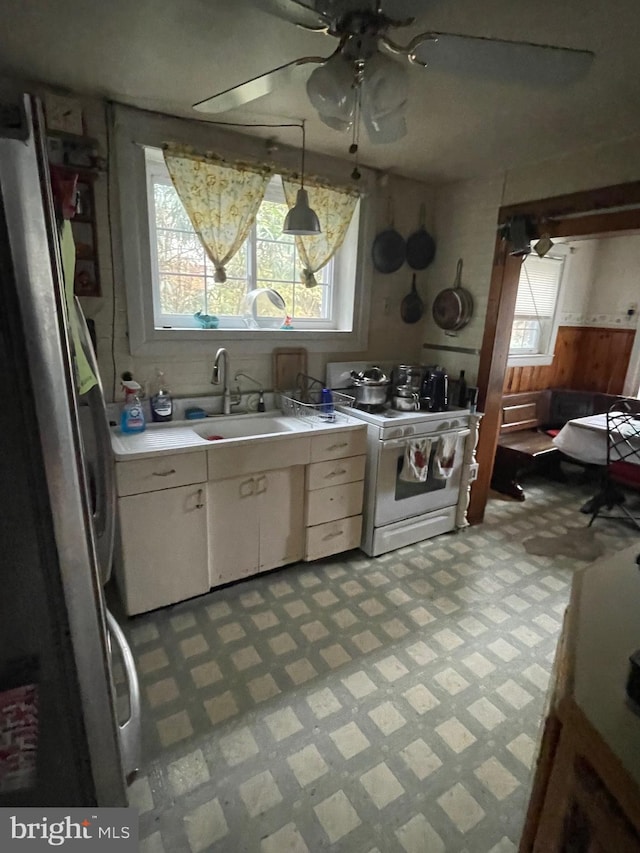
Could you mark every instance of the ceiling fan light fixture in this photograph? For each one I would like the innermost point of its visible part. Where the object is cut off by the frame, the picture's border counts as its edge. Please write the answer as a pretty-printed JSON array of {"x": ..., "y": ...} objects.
[
  {"x": 331, "y": 92},
  {"x": 385, "y": 86},
  {"x": 384, "y": 129}
]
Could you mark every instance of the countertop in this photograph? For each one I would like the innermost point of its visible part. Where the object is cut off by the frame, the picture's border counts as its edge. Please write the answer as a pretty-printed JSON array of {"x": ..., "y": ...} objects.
[
  {"x": 181, "y": 437},
  {"x": 606, "y": 596}
]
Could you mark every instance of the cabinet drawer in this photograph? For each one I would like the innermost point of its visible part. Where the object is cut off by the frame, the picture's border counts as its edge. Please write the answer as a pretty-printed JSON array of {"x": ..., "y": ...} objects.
[
  {"x": 335, "y": 472},
  {"x": 333, "y": 537},
  {"x": 161, "y": 472},
  {"x": 252, "y": 457},
  {"x": 339, "y": 444},
  {"x": 334, "y": 502}
]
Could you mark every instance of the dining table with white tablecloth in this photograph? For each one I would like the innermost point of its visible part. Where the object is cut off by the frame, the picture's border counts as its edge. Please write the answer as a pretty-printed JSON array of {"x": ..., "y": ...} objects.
[{"x": 585, "y": 439}]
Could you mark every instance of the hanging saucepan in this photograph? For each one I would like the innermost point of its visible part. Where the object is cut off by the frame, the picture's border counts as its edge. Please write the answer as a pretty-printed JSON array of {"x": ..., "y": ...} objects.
[
  {"x": 389, "y": 249},
  {"x": 421, "y": 247},
  {"x": 453, "y": 306}
]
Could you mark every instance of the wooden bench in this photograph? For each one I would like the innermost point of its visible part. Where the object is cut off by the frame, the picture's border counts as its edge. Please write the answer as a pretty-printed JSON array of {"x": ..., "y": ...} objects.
[
  {"x": 529, "y": 421},
  {"x": 522, "y": 444}
]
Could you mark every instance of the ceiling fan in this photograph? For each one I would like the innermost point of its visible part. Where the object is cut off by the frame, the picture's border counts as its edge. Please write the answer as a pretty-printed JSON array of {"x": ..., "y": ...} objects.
[{"x": 361, "y": 81}]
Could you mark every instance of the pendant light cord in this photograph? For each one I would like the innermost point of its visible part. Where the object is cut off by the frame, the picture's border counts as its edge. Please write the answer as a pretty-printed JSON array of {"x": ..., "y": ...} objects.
[{"x": 304, "y": 137}]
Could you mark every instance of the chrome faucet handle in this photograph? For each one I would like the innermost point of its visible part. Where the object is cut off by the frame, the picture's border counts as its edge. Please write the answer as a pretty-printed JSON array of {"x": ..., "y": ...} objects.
[{"x": 250, "y": 378}]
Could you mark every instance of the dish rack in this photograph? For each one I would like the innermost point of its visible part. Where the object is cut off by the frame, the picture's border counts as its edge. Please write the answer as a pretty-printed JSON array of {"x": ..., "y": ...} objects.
[{"x": 305, "y": 402}]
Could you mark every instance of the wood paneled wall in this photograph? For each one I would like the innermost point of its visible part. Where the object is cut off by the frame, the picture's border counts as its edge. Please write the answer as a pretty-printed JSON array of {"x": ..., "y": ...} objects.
[{"x": 585, "y": 359}]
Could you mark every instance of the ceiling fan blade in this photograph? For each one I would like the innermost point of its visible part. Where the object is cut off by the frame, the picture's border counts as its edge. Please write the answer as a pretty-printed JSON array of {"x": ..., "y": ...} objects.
[
  {"x": 310, "y": 14},
  {"x": 507, "y": 61},
  {"x": 255, "y": 88}
]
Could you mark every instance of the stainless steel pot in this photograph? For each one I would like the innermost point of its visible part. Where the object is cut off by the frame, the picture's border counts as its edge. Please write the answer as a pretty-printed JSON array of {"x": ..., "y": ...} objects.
[
  {"x": 407, "y": 404},
  {"x": 370, "y": 387},
  {"x": 405, "y": 390},
  {"x": 407, "y": 374}
]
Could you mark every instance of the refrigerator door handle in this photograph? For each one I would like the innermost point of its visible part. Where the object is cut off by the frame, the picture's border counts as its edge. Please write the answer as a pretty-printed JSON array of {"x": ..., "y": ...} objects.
[
  {"x": 105, "y": 509},
  {"x": 129, "y": 731}
]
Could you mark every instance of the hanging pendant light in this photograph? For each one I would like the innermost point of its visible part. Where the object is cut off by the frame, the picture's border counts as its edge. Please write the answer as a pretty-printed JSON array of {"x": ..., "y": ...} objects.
[{"x": 301, "y": 220}]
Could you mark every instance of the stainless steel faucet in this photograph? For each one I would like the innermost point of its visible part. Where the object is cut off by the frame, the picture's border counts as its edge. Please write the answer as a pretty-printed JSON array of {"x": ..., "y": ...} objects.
[{"x": 220, "y": 375}]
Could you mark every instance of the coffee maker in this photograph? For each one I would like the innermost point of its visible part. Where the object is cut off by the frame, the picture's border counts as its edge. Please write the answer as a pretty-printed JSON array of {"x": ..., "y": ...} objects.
[{"x": 434, "y": 390}]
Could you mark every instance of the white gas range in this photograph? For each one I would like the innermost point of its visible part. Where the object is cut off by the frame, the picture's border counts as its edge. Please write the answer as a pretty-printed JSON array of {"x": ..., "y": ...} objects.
[{"x": 399, "y": 508}]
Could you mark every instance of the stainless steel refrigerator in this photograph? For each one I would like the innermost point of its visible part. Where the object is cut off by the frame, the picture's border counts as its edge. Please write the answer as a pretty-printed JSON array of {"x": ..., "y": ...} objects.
[{"x": 61, "y": 740}]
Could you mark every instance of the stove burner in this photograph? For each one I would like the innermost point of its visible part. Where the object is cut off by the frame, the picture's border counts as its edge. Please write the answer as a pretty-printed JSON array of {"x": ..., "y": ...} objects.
[{"x": 377, "y": 409}]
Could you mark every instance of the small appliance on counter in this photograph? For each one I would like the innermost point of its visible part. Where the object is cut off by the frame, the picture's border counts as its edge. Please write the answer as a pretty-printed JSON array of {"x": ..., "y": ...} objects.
[{"x": 434, "y": 390}]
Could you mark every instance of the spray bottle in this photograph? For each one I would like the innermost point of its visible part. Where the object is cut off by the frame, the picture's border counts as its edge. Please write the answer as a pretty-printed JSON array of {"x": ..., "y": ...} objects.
[{"x": 132, "y": 417}]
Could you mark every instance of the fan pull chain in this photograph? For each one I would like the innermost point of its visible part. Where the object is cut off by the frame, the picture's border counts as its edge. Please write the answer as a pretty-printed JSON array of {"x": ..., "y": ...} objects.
[{"x": 354, "y": 147}]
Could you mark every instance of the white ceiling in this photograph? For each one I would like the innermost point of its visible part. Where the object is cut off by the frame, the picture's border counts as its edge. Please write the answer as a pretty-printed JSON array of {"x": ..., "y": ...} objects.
[{"x": 166, "y": 54}]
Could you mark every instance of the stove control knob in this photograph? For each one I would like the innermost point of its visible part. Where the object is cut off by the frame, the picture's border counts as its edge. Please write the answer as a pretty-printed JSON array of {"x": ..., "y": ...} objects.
[
  {"x": 394, "y": 433},
  {"x": 409, "y": 430},
  {"x": 455, "y": 424}
]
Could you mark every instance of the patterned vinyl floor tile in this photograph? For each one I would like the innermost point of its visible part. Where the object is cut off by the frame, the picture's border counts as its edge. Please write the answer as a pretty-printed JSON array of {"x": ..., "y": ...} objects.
[{"x": 356, "y": 704}]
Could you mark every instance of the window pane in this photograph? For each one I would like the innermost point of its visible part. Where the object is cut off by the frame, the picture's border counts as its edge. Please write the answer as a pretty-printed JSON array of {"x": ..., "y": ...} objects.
[
  {"x": 236, "y": 268},
  {"x": 170, "y": 212},
  {"x": 181, "y": 294},
  {"x": 225, "y": 299},
  {"x": 309, "y": 302},
  {"x": 264, "y": 306},
  {"x": 275, "y": 261},
  {"x": 179, "y": 252},
  {"x": 269, "y": 222},
  {"x": 525, "y": 335}
]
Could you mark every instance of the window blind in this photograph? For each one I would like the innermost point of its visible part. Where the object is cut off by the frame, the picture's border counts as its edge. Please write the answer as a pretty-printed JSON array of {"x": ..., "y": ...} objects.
[{"x": 538, "y": 286}]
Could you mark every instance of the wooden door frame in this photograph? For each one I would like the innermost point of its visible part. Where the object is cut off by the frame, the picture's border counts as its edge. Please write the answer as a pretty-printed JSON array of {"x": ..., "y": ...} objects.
[{"x": 593, "y": 213}]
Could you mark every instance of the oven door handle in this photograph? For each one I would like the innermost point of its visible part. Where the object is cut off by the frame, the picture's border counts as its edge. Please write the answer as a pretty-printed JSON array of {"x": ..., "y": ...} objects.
[{"x": 392, "y": 443}]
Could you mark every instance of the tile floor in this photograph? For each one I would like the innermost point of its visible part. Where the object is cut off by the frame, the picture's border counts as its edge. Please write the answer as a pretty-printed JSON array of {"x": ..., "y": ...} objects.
[{"x": 386, "y": 705}]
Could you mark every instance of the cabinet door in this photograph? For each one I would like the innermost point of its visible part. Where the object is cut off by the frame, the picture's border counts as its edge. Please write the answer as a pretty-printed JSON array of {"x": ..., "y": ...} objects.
[
  {"x": 234, "y": 529},
  {"x": 164, "y": 547},
  {"x": 281, "y": 507}
]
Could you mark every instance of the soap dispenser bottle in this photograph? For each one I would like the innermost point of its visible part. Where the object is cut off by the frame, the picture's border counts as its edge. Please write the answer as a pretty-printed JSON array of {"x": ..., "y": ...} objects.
[
  {"x": 161, "y": 402},
  {"x": 132, "y": 417}
]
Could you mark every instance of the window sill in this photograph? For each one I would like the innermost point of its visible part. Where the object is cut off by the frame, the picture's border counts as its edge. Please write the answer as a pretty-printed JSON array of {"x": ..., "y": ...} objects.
[
  {"x": 530, "y": 360},
  {"x": 186, "y": 342}
]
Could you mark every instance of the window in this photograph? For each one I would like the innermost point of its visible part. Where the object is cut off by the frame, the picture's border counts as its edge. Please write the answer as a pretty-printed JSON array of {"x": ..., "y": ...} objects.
[
  {"x": 533, "y": 330},
  {"x": 183, "y": 276}
]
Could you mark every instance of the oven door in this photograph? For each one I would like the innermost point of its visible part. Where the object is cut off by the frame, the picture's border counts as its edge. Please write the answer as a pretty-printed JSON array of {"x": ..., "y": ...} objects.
[{"x": 397, "y": 499}]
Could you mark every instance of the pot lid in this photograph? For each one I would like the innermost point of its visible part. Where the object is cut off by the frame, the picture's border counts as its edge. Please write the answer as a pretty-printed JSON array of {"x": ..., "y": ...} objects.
[{"x": 370, "y": 376}]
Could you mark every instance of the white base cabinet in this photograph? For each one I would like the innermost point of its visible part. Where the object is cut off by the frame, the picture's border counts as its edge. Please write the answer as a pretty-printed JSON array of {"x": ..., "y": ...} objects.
[
  {"x": 196, "y": 520},
  {"x": 255, "y": 523},
  {"x": 164, "y": 547}
]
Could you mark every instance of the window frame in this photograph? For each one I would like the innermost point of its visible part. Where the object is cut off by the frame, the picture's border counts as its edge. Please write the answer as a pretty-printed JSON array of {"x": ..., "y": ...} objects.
[
  {"x": 135, "y": 130},
  {"x": 156, "y": 172},
  {"x": 548, "y": 325}
]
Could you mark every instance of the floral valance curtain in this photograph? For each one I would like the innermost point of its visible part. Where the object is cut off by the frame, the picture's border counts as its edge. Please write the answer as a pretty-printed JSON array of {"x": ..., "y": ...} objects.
[
  {"x": 334, "y": 208},
  {"x": 221, "y": 200}
]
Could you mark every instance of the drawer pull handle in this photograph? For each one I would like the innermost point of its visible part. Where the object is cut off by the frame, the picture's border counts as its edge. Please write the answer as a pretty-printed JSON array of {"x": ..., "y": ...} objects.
[
  {"x": 247, "y": 488},
  {"x": 337, "y": 473},
  {"x": 199, "y": 503},
  {"x": 333, "y": 535},
  {"x": 164, "y": 473},
  {"x": 261, "y": 485},
  {"x": 338, "y": 446}
]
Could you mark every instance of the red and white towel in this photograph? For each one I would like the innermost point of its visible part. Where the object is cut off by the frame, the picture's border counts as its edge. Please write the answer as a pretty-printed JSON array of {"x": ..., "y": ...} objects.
[
  {"x": 415, "y": 465},
  {"x": 445, "y": 456}
]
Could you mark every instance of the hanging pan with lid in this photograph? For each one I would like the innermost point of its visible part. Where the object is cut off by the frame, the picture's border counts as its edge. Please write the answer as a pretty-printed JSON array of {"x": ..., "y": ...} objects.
[
  {"x": 389, "y": 248},
  {"x": 453, "y": 306},
  {"x": 421, "y": 247}
]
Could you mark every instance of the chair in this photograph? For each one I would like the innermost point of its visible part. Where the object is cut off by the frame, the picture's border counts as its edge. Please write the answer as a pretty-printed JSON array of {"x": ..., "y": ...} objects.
[{"x": 623, "y": 461}]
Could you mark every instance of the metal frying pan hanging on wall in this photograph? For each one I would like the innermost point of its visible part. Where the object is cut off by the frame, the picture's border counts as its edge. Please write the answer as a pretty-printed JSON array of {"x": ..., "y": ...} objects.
[
  {"x": 389, "y": 248},
  {"x": 421, "y": 247},
  {"x": 453, "y": 306}
]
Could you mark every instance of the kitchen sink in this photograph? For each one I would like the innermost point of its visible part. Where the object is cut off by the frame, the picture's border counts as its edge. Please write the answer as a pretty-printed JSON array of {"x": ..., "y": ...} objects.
[{"x": 244, "y": 426}]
